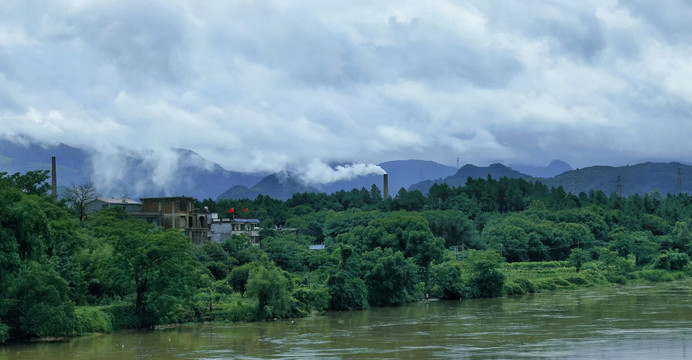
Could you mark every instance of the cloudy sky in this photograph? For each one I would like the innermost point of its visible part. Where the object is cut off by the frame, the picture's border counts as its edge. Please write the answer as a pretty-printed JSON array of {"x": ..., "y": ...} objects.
[{"x": 271, "y": 85}]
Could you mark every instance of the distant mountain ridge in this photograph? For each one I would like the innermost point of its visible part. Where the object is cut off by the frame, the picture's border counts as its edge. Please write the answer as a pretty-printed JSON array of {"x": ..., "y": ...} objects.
[
  {"x": 639, "y": 179},
  {"x": 195, "y": 176},
  {"x": 402, "y": 173},
  {"x": 496, "y": 171},
  {"x": 131, "y": 175},
  {"x": 556, "y": 167}
]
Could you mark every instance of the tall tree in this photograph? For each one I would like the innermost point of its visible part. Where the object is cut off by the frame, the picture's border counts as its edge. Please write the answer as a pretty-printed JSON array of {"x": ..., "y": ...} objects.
[
  {"x": 78, "y": 196},
  {"x": 31, "y": 182},
  {"x": 267, "y": 284}
]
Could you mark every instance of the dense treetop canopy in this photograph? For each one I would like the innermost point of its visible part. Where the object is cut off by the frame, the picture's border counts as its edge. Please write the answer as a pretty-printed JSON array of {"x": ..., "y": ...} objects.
[{"x": 62, "y": 276}]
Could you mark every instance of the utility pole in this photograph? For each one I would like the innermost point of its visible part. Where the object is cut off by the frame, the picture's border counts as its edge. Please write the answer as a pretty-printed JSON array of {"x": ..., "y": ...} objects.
[{"x": 54, "y": 179}]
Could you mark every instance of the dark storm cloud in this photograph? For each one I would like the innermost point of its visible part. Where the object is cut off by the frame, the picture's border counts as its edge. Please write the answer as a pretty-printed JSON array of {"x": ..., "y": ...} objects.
[
  {"x": 142, "y": 41},
  {"x": 671, "y": 19},
  {"x": 272, "y": 85},
  {"x": 423, "y": 53}
]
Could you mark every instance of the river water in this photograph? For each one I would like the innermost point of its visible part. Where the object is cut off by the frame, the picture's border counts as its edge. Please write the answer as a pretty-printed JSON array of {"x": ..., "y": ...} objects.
[{"x": 634, "y": 322}]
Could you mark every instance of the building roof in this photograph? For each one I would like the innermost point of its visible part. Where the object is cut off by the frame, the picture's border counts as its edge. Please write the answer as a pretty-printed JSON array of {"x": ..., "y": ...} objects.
[
  {"x": 252, "y": 221},
  {"x": 235, "y": 220},
  {"x": 169, "y": 198},
  {"x": 118, "y": 201}
]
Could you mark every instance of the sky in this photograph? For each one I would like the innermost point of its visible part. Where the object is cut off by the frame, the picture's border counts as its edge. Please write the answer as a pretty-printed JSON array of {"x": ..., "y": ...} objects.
[{"x": 301, "y": 85}]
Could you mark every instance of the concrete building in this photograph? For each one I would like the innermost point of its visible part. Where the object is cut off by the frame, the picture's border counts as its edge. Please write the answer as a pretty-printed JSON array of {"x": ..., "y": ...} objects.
[
  {"x": 129, "y": 205},
  {"x": 222, "y": 229},
  {"x": 178, "y": 213}
]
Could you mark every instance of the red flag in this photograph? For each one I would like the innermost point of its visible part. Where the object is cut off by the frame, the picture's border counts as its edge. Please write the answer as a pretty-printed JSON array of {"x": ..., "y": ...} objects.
[
  {"x": 231, "y": 210},
  {"x": 245, "y": 209}
]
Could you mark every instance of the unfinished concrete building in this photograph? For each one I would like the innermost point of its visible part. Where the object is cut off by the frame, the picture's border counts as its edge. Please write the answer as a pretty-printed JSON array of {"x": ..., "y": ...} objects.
[{"x": 178, "y": 213}]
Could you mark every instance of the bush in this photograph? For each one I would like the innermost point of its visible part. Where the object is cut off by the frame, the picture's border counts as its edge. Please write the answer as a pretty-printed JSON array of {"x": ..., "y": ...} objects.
[
  {"x": 512, "y": 288},
  {"x": 4, "y": 333},
  {"x": 545, "y": 284},
  {"x": 92, "y": 320},
  {"x": 672, "y": 261},
  {"x": 526, "y": 284},
  {"x": 655, "y": 275},
  {"x": 347, "y": 292},
  {"x": 240, "y": 311},
  {"x": 485, "y": 278},
  {"x": 616, "y": 279},
  {"x": 593, "y": 277},
  {"x": 447, "y": 282},
  {"x": 311, "y": 298},
  {"x": 562, "y": 283},
  {"x": 577, "y": 280},
  {"x": 123, "y": 315},
  {"x": 679, "y": 275},
  {"x": 218, "y": 270}
]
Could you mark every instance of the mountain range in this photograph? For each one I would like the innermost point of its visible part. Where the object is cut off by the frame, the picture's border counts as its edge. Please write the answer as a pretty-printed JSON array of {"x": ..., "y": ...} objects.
[
  {"x": 192, "y": 175},
  {"x": 129, "y": 173}
]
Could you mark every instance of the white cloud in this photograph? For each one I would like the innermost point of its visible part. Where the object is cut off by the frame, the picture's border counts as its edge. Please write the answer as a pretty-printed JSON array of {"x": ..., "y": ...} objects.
[
  {"x": 317, "y": 172},
  {"x": 276, "y": 85}
]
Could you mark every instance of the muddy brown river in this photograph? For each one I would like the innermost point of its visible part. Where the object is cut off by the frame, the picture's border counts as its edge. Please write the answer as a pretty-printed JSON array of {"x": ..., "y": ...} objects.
[{"x": 633, "y": 322}]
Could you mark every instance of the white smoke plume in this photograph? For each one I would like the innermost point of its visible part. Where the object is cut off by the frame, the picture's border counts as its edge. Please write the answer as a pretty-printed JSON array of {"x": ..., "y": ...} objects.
[{"x": 317, "y": 172}]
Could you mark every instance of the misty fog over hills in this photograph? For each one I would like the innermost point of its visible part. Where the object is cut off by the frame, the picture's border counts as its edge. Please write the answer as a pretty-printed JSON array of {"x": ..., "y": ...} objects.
[{"x": 189, "y": 174}]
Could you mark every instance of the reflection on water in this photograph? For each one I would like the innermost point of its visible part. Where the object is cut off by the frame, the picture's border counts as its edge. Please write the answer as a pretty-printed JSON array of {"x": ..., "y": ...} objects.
[{"x": 605, "y": 323}]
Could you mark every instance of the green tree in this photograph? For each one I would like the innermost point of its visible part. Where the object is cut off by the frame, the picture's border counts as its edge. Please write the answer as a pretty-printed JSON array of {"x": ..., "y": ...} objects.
[
  {"x": 484, "y": 276},
  {"x": 672, "y": 261},
  {"x": 637, "y": 243},
  {"x": 409, "y": 200},
  {"x": 390, "y": 278},
  {"x": 238, "y": 277},
  {"x": 38, "y": 304},
  {"x": 447, "y": 281},
  {"x": 578, "y": 257},
  {"x": 455, "y": 227},
  {"x": 31, "y": 182},
  {"x": 511, "y": 240},
  {"x": 409, "y": 233},
  {"x": 240, "y": 250},
  {"x": 160, "y": 270},
  {"x": 270, "y": 288},
  {"x": 288, "y": 251},
  {"x": 347, "y": 292},
  {"x": 217, "y": 261},
  {"x": 680, "y": 236}
]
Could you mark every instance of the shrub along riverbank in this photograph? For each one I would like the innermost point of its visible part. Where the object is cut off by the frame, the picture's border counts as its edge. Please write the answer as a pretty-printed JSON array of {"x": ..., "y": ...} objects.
[{"x": 64, "y": 273}]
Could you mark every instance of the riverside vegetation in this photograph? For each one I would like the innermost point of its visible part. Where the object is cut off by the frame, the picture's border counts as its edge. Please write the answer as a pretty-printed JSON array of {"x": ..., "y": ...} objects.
[{"x": 60, "y": 276}]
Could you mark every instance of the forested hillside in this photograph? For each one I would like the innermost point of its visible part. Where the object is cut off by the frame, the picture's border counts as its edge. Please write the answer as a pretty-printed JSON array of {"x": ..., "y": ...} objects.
[
  {"x": 62, "y": 277},
  {"x": 628, "y": 180}
]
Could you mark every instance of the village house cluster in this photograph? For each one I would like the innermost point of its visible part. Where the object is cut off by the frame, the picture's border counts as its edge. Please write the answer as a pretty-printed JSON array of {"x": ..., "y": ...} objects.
[{"x": 179, "y": 213}]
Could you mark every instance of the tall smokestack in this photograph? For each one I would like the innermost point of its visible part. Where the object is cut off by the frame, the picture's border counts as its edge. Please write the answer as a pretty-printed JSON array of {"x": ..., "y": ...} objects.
[
  {"x": 54, "y": 180},
  {"x": 386, "y": 187}
]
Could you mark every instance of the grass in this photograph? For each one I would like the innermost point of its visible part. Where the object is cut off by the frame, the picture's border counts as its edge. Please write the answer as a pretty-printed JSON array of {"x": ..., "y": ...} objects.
[{"x": 530, "y": 277}]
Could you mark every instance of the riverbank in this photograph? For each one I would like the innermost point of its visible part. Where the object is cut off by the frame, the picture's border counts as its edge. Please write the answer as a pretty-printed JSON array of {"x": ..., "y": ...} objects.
[
  {"x": 600, "y": 323},
  {"x": 519, "y": 279},
  {"x": 531, "y": 277}
]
